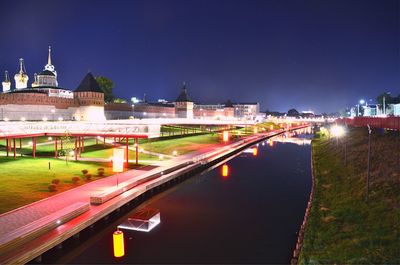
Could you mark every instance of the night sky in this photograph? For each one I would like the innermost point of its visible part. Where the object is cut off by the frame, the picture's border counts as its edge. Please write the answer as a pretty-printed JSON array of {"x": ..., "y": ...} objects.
[{"x": 319, "y": 55}]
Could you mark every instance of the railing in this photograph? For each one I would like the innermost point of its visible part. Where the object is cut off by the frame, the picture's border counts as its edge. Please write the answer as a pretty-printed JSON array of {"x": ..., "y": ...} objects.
[{"x": 375, "y": 122}]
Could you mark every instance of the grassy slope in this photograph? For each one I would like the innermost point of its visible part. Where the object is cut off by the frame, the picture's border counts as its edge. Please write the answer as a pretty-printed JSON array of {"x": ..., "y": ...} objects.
[
  {"x": 342, "y": 227},
  {"x": 181, "y": 145},
  {"x": 26, "y": 180}
]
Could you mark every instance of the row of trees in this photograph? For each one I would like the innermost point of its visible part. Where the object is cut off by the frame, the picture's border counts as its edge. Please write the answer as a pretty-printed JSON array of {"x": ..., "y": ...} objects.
[{"x": 388, "y": 99}]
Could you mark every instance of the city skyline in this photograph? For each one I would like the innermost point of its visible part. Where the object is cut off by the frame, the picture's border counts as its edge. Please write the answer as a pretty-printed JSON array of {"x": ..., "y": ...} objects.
[{"x": 289, "y": 55}]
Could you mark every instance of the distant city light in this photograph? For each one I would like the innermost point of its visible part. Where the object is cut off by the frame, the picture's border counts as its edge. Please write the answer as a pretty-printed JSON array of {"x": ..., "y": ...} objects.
[{"x": 135, "y": 100}]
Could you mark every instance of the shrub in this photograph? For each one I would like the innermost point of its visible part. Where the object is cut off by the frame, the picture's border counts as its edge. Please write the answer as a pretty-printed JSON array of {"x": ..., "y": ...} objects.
[
  {"x": 55, "y": 181},
  {"x": 85, "y": 171},
  {"x": 100, "y": 171},
  {"x": 75, "y": 180},
  {"x": 88, "y": 176},
  {"x": 52, "y": 187}
]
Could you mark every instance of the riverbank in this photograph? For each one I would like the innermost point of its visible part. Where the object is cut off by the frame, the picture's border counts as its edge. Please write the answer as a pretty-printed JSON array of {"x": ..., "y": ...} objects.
[{"x": 342, "y": 227}]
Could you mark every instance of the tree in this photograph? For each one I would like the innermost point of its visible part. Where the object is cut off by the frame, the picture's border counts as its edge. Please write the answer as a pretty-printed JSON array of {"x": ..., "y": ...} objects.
[
  {"x": 107, "y": 86},
  {"x": 67, "y": 146},
  {"x": 293, "y": 113},
  {"x": 119, "y": 100}
]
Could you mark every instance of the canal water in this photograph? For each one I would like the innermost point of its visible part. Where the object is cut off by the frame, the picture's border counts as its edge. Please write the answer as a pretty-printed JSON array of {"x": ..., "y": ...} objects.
[{"x": 250, "y": 216}]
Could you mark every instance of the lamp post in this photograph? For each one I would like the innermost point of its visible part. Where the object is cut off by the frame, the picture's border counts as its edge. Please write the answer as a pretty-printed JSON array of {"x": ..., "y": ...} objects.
[{"x": 368, "y": 163}]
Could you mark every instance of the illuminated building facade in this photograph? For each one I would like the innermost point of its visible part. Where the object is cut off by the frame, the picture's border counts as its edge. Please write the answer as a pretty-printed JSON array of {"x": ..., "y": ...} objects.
[{"x": 45, "y": 100}]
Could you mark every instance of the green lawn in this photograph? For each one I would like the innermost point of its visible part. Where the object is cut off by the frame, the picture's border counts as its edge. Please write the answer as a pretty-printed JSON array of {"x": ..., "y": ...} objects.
[
  {"x": 108, "y": 152},
  {"x": 26, "y": 180},
  {"x": 342, "y": 227},
  {"x": 181, "y": 145}
]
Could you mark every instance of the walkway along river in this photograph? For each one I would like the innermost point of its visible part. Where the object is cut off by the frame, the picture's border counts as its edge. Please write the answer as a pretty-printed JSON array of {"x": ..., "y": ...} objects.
[{"x": 250, "y": 216}]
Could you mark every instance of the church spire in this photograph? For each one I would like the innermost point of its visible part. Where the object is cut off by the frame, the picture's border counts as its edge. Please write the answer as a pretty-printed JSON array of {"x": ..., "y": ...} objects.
[
  {"x": 49, "y": 66},
  {"x": 6, "y": 78},
  {"x": 49, "y": 58},
  {"x": 21, "y": 66},
  {"x": 6, "y": 83}
]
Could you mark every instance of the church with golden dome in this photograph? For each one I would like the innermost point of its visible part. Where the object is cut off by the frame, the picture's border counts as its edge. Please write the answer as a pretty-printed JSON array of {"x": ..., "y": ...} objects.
[{"x": 44, "y": 99}]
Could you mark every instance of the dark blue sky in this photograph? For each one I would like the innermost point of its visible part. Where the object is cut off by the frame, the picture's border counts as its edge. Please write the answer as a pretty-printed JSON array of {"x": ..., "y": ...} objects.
[{"x": 321, "y": 55}]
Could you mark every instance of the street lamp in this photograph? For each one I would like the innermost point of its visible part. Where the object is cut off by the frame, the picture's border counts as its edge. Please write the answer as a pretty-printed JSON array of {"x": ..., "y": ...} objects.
[
  {"x": 337, "y": 131},
  {"x": 368, "y": 163}
]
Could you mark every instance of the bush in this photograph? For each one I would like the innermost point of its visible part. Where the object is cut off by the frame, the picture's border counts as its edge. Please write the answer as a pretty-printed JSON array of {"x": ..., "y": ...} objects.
[
  {"x": 52, "y": 187},
  {"x": 100, "y": 171},
  {"x": 75, "y": 180},
  {"x": 88, "y": 176},
  {"x": 55, "y": 181},
  {"x": 85, "y": 171}
]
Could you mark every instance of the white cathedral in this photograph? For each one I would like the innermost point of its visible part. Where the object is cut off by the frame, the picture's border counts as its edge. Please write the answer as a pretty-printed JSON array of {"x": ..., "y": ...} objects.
[{"x": 46, "y": 80}]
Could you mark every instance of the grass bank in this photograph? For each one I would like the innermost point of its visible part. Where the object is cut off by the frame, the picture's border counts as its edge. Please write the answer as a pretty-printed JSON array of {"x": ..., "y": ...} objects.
[
  {"x": 342, "y": 227},
  {"x": 26, "y": 180}
]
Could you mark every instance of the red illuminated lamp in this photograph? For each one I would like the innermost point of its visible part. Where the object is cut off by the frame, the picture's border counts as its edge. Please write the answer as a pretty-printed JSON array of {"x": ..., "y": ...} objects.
[
  {"x": 225, "y": 136},
  {"x": 225, "y": 170}
]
